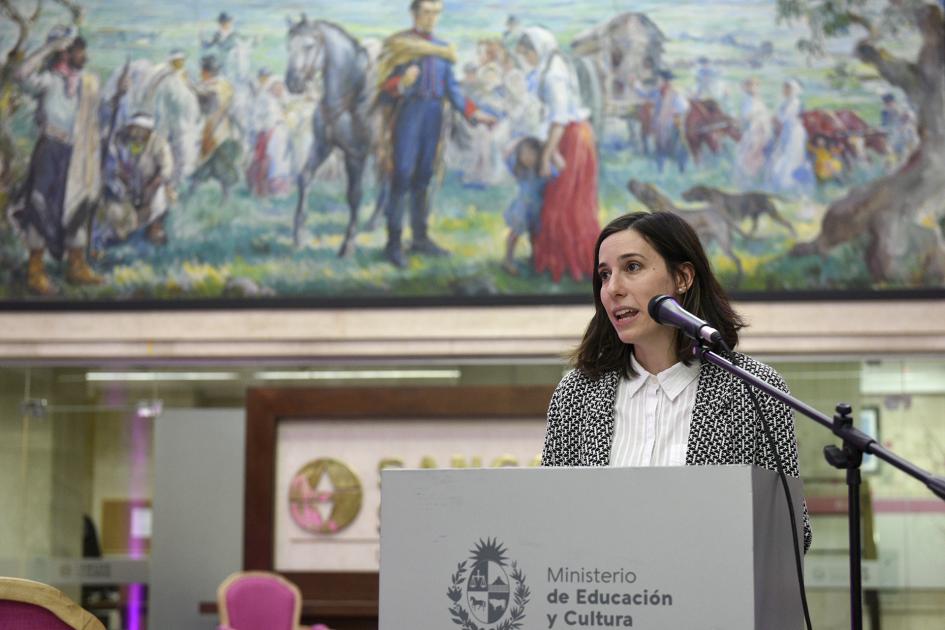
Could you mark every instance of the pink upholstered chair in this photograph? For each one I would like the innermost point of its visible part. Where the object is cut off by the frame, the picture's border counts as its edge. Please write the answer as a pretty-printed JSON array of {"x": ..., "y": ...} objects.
[
  {"x": 258, "y": 600},
  {"x": 29, "y": 605}
]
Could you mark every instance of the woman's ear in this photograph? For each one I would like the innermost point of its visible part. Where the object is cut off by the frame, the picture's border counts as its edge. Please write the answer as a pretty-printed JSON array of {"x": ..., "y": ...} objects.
[{"x": 684, "y": 277}]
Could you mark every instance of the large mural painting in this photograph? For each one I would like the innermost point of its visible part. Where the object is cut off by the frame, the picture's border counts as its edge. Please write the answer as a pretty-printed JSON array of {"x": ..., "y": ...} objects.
[{"x": 455, "y": 151}]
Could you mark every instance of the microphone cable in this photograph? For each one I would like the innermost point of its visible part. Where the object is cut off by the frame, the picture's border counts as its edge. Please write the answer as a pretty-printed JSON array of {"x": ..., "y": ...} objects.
[{"x": 784, "y": 483}]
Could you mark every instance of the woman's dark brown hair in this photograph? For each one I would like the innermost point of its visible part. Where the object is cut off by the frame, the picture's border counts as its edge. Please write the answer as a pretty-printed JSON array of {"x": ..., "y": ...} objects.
[{"x": 601, "y": 350}]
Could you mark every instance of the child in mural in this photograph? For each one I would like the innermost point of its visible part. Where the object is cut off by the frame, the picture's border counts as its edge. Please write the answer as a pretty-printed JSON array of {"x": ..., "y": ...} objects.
[
  {"x": 524, "y": 213},
  {"x": 64, "y": 177},
  {"x": 569, "y": 223},
  {"x": 827, "y": 166},
  {"x": 138, "y": 172},
  {"x": 788, "y": 168}
]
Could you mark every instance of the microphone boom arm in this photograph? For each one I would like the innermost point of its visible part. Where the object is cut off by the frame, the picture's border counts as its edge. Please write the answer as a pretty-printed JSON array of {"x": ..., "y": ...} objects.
[
  {"x": 849, "y": 458},
  {"x": 859, "y": 440}
]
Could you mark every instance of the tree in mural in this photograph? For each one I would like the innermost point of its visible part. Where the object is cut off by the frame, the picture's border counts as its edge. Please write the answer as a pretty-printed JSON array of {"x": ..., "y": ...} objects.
[
  {"x": 886, "y": 212},
  {"x": 10, "y": 100}
]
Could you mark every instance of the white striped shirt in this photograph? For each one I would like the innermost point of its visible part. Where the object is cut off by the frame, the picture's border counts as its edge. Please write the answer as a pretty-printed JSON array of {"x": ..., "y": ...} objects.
[{"x": 652, "y": 416}]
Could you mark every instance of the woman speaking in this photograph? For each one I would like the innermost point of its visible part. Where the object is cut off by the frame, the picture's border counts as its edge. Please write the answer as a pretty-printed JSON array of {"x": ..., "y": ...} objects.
[{"x": 636, "y": 396}]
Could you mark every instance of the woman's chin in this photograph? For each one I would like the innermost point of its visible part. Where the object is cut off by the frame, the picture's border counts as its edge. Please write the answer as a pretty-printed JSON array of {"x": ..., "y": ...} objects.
[{"x": 626, "y": 336}]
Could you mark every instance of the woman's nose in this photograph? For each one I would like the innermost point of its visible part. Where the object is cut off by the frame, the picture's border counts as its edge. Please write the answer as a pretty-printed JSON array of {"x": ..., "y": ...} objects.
[{"x": 614, "y": 287}]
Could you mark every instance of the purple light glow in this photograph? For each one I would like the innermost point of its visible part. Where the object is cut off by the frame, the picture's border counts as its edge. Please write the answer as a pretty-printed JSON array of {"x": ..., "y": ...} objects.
[
  {"x": 141, "y": 431},
  {"x": 135, "y": 600}
]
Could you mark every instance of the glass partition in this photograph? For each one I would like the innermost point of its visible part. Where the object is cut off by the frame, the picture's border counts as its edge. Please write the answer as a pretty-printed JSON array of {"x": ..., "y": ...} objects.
[{"x": 77, "y": 452}]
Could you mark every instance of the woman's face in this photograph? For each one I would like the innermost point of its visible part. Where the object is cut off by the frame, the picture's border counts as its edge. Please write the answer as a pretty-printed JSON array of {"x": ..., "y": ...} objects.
[{"x": 632, "y": 272}]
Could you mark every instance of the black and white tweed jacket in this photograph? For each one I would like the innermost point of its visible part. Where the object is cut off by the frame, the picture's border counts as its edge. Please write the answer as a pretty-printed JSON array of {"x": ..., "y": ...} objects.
[{"x": 723, "y": 428}]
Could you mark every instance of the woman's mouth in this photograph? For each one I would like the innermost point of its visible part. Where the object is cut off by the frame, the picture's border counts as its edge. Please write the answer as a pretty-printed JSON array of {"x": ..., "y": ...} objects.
[{"x": 623, "y": 314}]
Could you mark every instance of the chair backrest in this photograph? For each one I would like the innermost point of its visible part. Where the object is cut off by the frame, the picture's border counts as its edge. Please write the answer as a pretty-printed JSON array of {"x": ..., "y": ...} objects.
[
  {"x": 258, "y": 600},
  {"x": 29, "y": 605}
]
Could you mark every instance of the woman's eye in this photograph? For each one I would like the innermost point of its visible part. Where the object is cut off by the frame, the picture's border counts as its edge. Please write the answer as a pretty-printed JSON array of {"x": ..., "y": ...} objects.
[
  {"x": 633, "y": 266},
  {"x": 604, "y": 275}
]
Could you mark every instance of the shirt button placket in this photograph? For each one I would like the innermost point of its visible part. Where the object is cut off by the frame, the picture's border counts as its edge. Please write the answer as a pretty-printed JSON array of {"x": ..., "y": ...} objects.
[{"x": 652, "y": 404}]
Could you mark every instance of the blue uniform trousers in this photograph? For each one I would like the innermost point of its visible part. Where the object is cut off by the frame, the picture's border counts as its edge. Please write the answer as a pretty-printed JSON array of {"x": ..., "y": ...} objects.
[{"x": 416, "y": 137}]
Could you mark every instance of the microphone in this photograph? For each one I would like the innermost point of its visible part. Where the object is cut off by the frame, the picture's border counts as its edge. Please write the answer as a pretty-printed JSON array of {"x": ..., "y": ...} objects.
[{"x": 664, "y": 310}]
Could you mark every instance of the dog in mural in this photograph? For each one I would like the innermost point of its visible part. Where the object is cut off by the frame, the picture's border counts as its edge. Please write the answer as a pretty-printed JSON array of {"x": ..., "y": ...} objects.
[
  {"x": 750, "y": 205},
  {"x": 651, "y": 196},
  {"x": 710, "y": 223}
]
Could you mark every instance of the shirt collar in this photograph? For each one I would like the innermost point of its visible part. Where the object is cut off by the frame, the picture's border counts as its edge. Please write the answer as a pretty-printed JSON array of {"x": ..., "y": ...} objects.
[
  {"x": 673, "y": 380},
  {"x": 636, "y": 382}
]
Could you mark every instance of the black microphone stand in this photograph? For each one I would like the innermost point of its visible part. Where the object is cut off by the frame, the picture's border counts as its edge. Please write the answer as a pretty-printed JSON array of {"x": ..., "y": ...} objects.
[{"x": 849, "y": 458}]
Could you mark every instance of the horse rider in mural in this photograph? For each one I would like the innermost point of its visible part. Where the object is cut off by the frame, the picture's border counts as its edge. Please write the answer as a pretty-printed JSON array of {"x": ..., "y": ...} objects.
[
  {"x": 416, "y": 74},
  {"x": 64, "y": 180},
  {"x": 225, "y": 44},
  {"x": 669, "y": 115}
]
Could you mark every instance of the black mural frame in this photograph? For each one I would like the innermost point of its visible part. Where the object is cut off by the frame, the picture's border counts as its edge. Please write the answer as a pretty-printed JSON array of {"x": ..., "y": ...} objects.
[{"x": 317, "y": 303}]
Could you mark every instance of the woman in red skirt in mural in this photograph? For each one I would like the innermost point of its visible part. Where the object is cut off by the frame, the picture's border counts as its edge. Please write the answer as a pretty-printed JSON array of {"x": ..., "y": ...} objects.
[{"x": 569, "y": 226}]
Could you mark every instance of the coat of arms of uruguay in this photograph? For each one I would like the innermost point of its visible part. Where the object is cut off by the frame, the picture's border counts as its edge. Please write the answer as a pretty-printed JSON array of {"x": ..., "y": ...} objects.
[{"x": 491, "y": 594}]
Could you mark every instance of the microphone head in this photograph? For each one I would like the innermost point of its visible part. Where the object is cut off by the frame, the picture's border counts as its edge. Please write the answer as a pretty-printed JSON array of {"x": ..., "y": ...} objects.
[{"x": 655, "y": 305}]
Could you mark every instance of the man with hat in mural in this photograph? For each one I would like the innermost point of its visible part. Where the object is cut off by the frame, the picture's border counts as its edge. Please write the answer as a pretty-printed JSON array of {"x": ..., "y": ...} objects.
[
  {"x": 64, "y": 179},
  {"x": 138, "y": 172},
  {"x": 512, "y": 33},
  {"x": 223, "y": 40},
  {"x": 708, "y": 81},
  {"x": 669, "y": 116},
  {"x": 170, "y": 96},
  {"x": 899, "y": 124},
  {"x": 219, "y": 147},
  {"x": 416, "y": 74},
  {"x": 230, "y": 47},
  {"x": 232, "y": 50},
  {"x": 172, "y": 66}
]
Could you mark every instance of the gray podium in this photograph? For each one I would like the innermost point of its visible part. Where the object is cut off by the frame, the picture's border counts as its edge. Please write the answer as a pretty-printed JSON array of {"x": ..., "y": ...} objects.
[{"x": 688, "y": 548}]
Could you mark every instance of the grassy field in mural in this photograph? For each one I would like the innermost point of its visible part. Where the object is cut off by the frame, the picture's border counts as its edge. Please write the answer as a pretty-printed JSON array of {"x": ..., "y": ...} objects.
[{"x": 243, "y": 247}]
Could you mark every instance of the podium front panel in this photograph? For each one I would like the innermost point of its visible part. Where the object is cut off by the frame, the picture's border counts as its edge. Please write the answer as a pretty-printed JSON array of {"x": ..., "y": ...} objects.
[{"x": 549, "y": 548}]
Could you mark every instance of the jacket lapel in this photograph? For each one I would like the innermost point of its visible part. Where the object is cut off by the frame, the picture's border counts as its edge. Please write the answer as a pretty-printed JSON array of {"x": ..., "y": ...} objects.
[
  {"x": 598, "y": 421},
  {"x": 710, "y": 431}
]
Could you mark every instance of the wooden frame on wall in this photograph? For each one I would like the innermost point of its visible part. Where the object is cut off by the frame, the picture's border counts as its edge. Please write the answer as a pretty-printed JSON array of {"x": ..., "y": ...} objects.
[{"x": 349, "y": 600}]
